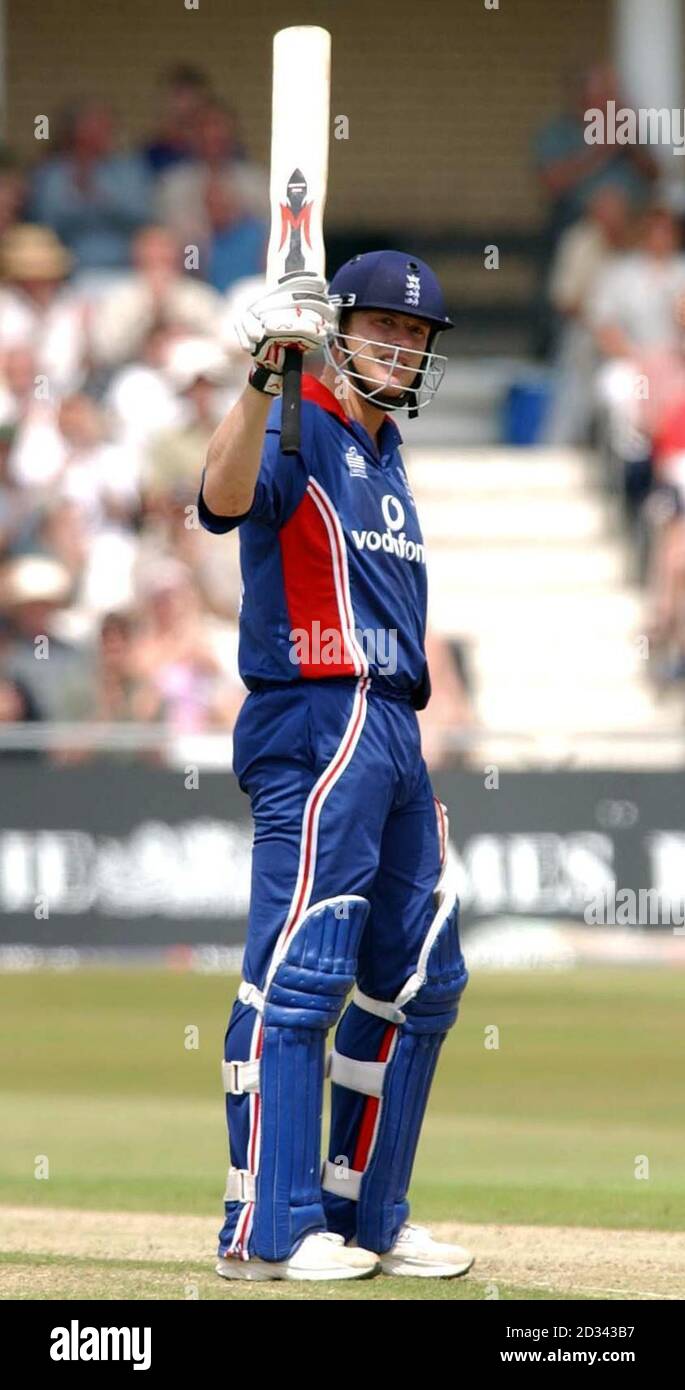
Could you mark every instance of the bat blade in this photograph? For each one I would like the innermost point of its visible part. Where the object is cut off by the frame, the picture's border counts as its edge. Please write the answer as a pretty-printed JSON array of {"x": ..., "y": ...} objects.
[{"x": 300, "y": 119}]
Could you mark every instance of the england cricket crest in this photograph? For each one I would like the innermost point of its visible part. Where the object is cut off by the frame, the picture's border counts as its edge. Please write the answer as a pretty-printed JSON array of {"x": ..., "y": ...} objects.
[{"x": 295, "y": 221}]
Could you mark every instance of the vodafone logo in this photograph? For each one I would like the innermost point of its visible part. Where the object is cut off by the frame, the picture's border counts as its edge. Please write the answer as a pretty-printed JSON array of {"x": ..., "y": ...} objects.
[
  {"x": 393, "y": 540},
  {"x": 393, "y": 512}
]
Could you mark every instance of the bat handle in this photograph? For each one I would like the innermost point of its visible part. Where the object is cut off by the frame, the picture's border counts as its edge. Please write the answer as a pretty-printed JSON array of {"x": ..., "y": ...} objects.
[{"x": 292, "y": 387}]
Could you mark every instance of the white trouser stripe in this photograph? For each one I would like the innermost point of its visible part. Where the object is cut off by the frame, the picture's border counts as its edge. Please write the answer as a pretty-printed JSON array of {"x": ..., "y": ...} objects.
[
  {"x": 296, "y": 913},
  {"x": 310, "y": 824}
]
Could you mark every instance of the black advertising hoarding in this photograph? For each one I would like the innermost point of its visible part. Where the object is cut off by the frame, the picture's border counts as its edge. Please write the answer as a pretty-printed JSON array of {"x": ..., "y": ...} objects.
[{"x": 118, "y": 854}]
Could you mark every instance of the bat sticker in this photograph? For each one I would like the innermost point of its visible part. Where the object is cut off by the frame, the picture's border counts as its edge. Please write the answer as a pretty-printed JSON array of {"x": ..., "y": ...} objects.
[{"x": 296, "y": 217}]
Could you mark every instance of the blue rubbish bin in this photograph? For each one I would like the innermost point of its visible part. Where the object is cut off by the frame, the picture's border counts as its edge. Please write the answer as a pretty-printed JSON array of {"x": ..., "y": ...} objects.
[{"x": 525, "y": 407}]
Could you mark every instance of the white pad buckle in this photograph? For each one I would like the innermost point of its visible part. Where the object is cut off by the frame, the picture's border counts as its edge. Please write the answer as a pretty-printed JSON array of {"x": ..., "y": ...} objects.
[
  {"x": 241, "y": 1186},
  {"x": 240, "y": 1077},
  {"x": 365, "y": 1077},
  {"x": 341, "y": 1180}
]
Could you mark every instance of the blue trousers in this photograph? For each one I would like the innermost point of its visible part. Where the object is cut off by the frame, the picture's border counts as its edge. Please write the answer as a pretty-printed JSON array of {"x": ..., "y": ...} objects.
[{"x": 342, "y": 804}]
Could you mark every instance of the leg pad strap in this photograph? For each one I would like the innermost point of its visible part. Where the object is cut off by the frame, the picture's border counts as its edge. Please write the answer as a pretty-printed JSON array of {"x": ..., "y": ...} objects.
[
  {"x": 366, "y": 1077},
  {"x": 240, "y": 1186},
  {"x": 240, "y": 1077}
]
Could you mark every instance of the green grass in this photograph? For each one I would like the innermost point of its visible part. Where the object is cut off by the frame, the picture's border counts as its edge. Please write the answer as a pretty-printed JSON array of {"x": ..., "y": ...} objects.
[
  {"x": 57, "y": 1277},
  {"x": 545, "y": 1129}
]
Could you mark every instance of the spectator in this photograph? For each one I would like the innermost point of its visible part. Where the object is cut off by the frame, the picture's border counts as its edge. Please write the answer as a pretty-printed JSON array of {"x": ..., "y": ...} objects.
[
  {"x": 194, "y": 367},
  {"x": 96, "y": 473},
  {"x": 635, "y": 320},
  {"x": 635, "y": 304},
  {"x": 185, "y": 91},
  {"x": 16, "y": 505},
  {"x": 155, "y": 293},
  {"x": 188, "y": 683},
  {"x": 94, "y": 198},
  {"x": 570, "y": 169},
  {"x": 56, "y": 675},
  {"x": 100, "y": 561},
  {"x": 27, "y": 405},
  {"x": 116, "y": 689},
  {"x": 63, "y": 536},
  {"x": 170, "y": 525},
  {"x": 183, "y": 201},
  {"x": 140, "y": 399},
  {"x": 37, "y": 311},
  {"x": 238, "y": 241},
  {"x": 16, "y": 704},
  {"x": 171, "y": 529},
  {"x": 16, "y": 707},
  {"x": 62, "y": 446},
  {"x": 583, "y": 254}
]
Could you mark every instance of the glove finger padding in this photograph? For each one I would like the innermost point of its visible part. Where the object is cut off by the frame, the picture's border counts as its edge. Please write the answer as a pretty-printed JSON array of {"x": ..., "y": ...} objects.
[
  {"x": 249, "y": 330},
  {"x": 295, "y": 314}
]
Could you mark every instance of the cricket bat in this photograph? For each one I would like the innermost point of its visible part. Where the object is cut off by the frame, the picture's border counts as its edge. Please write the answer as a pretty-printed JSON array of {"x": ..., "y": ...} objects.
[{"x": 300, "y": 118}]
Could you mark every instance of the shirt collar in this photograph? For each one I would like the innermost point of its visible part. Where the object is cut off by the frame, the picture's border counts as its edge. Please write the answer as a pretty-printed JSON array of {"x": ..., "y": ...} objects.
[{"x": 388, "y": 438}]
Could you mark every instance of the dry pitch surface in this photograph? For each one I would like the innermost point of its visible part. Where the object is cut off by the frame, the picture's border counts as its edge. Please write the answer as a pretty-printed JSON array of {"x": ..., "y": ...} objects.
[{"x": 61, "y": 1253}]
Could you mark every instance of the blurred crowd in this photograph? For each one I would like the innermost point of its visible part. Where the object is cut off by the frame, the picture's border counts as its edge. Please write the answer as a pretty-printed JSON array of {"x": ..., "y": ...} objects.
[
  {"x": 121, "y": 271},
  {"x": 616, "y": 291}
]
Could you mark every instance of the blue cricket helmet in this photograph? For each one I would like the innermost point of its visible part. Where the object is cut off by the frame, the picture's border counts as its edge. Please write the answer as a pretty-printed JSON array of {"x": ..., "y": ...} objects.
[
  {"x": 391, "y": 280},
  {"x": 400, "y": 283}
]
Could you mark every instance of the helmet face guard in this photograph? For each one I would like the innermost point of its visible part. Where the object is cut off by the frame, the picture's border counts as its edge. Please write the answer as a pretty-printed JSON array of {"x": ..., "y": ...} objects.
[
  {"x": 400, "y": 284},
  {"x": 349, "y": 355}
]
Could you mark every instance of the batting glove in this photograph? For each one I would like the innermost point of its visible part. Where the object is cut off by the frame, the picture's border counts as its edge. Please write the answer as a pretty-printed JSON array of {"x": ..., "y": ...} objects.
[{"x": 296, "y": 314}]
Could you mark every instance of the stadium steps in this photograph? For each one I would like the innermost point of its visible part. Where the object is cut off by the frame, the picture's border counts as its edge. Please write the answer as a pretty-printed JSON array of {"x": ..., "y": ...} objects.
[
  {"x": 501, "y": 569},
  {"x": 530, "y": 569},
  {"x": 467, "y": 409}
]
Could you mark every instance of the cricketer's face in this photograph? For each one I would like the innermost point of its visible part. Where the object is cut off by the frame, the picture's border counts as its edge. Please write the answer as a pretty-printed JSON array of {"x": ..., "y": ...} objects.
[{"x": 391, "y": 350}]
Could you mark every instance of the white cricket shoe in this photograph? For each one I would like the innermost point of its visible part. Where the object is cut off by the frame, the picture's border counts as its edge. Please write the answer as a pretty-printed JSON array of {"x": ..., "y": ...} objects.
[
  {"x": 415, "y": 1252},
  {"x": 321, "y": 1255}
]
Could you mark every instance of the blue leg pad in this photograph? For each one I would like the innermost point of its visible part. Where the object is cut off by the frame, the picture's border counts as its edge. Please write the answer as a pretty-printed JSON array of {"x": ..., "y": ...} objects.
[
  {"x": 303, "y": 998},
  {"x": 381, "y": 1084}
]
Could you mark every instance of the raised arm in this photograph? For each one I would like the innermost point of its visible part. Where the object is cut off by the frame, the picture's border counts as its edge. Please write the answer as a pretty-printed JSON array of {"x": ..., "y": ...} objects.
[
  {"x": 234, "y": 454},
  {"x": 296, "y": 314}
]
